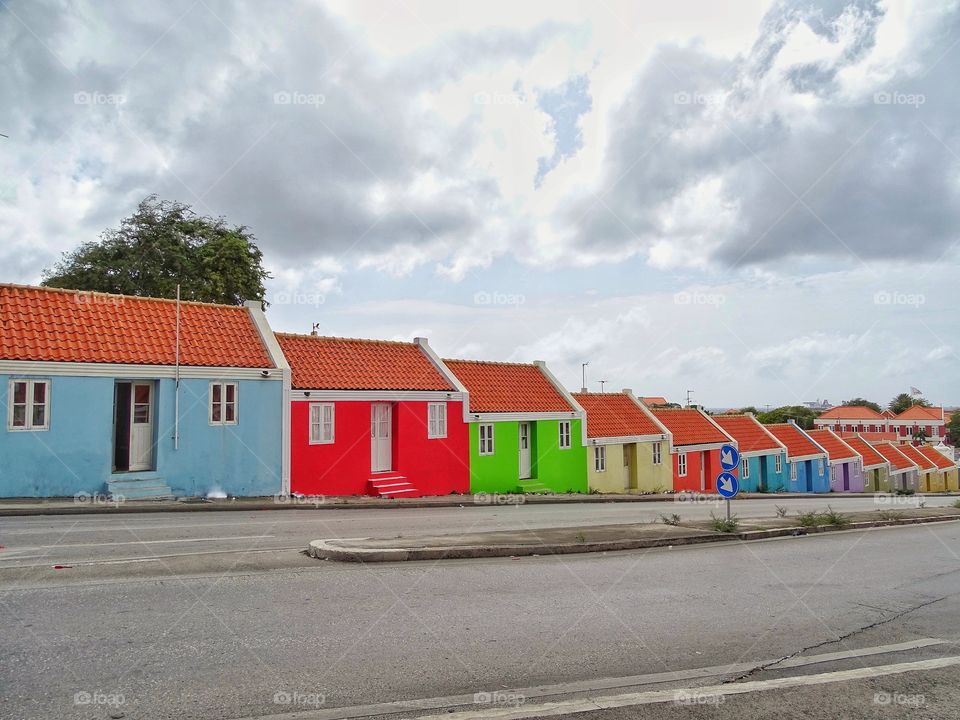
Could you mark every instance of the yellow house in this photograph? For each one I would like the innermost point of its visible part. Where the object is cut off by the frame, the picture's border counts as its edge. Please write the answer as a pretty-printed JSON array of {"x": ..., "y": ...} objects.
[
  {"x": 945, "y": 463},
  {"x": 628, "y": 450},
  {"x": 931, "y": 479}
]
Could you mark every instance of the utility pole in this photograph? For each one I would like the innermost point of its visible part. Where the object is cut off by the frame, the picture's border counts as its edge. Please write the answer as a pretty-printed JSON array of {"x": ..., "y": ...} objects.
[
  {"x": 583, "y": 371},
  {"x": 689, "y": 394},
  {"x": 601, "y": 384}
]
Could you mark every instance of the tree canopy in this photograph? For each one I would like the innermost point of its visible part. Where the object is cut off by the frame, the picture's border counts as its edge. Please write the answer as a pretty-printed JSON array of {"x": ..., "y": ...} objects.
[
  {"x": 903, "y": 401},
  {"x": 802, "y": 414},
  {"x": 953, "y": 429},
  {"x": 162, "y": 244},
  {"x": 859, "y": 401}
]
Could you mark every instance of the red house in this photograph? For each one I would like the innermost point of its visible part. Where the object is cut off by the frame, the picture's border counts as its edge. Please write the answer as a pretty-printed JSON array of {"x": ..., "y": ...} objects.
[
  {"x": 370, "y": 417},
  {"x": 696, "y": 448}
]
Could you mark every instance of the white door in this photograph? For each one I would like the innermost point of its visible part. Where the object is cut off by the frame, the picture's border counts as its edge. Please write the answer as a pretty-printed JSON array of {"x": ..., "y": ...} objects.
[
  {"x": 524, "y": 450},
  {"x": 381, "y": 447},
  {"x": 141, "y": 426},
  {"x": 626, "y": 467}
]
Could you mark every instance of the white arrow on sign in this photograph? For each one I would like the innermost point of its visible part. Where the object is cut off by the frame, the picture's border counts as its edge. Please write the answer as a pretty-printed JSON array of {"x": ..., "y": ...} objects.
[
  {"x": 726, "y": 457},
  {"x": 726, "y": 485}
]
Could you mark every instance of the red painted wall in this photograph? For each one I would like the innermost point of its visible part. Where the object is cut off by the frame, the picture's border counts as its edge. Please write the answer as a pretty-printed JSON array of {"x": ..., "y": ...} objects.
[
  {"x": 435, "y": 467},
  {"x": 709, "y": 460}
]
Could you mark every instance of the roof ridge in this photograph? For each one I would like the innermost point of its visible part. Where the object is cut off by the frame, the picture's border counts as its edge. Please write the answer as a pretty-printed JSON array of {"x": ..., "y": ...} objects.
[
  {"x": 372, "y": 341},
  {"x": 494, "y": 362},
  {"x": 72, "y": 291}
]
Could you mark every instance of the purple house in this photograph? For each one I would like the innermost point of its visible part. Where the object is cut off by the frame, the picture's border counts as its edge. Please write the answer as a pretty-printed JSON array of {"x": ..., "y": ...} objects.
[{"x": 846, "y": 465}]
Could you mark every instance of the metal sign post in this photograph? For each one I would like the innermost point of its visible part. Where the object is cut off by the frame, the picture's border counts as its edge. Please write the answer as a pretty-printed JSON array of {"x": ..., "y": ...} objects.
[{"x": 727, "y": 484}]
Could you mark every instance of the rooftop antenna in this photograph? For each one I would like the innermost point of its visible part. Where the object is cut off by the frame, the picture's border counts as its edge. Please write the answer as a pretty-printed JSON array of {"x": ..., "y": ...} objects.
[
  {"x": 315, "y": 329},
  {"x": 602, "y": 382},
  {"x": 689, "y": 396},
  {"x": 583, "y": 371}
]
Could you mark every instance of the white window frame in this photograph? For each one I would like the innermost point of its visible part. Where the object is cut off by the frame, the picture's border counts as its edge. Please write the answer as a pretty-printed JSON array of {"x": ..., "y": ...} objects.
[
  {"x": 745, "y": 468},
  {"x": 323, "y": 435},
  {"x": 566, "y": 439},
  {"x": 657, "y": 453},
  {"x": 778, "y": 464},
  {"x": 485, "y": 445},
  {"x": 682, "y": 465},
  {"x": 223, "y": 403},
  {"x": 821, "y": 467},
  {"x": 436, "y": 420},
  {"x": 600, "y": 458},
  {"x": 29, "y": 405},
  {"x": 793, "y": 471}
]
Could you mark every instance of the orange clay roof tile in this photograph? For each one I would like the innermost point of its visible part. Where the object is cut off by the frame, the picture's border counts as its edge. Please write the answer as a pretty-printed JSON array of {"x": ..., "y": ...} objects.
[
  {"x": 615, "y": 415},
  {"x": 507, "y": 387}
]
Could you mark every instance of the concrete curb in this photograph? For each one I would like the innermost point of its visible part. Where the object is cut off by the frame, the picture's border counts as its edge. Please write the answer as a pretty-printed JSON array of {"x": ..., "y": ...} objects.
[
  {"x": 341, "y": 551},
  {"x": 67, "y": 506}
]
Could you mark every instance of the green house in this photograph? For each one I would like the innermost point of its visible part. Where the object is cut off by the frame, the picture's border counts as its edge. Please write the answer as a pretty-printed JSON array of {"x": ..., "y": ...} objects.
[{"x": 527, "y": 433}]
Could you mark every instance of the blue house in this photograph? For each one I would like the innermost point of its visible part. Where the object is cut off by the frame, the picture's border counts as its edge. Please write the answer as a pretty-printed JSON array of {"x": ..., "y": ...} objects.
[
  {"x": 807, "y": 462},
  {"x": 138, "y": 397},
  {"x": 763, "y": 466}
]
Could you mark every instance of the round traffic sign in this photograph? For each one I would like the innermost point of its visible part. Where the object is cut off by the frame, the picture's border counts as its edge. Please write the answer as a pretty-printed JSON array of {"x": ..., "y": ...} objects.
[
  {"x": 727, "y": 485},
  {"x": 729, "y": 457}
]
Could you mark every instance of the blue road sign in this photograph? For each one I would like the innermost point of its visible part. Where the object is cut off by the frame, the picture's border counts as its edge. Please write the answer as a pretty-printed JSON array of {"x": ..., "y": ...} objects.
[
  {"x": 727, "y": 485},
  {"x": 729, "y": 457}
]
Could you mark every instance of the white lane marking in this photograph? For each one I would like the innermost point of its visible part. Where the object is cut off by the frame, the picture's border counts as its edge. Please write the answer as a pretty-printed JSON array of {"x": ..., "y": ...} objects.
[
  {"x": 84, "y": 561},
  {"x": 67, "y": 546},
  {"x": 568, "y": 707},
  {"x": 581, "y": 686}
]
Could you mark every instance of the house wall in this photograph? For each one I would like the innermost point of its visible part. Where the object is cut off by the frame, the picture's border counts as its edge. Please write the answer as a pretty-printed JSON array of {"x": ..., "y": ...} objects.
[
  {"x": 809, "y": 477},
  {"x": 76, "y": 454},
  {"x": 645, "y": 477},
  {"x": 951, "y": 479},
  {"x": 932, "y": 481},
  {"x": 876, "y": 480},
  {"x": 775, "y": 481},
  {"x": 707, "y": 461},
  {"x": 649, "y": 477},
  {"x": 855, "y": 480},
  {"x": 437, "y": 466},
  {"x": 610, "y": 481},
  {"x": 551, "y": 468}
]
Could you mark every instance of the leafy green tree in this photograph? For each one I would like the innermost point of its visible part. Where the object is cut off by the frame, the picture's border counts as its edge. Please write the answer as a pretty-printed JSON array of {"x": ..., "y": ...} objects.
[
  {"x": 802, "y": 414},
  {"x": 859, "y": 401},
  {"x": 162, "y": 244},
  {"x": 919, "y": 435},
  {"x": 953, "y": 429},
  {"x": 903, "y": 401}
]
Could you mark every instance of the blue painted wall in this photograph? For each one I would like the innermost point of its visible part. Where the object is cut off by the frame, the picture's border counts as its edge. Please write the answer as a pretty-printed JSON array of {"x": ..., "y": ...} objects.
[
  {"x": 812, "y": 476},
  {"x": 764, "y": 468},
  {"x": 76, "y": 453}
]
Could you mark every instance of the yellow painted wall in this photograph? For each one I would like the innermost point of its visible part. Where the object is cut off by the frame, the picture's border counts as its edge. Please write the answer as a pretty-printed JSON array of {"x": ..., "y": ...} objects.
[
  {"x": 952, "y": 479},
  {"x": 884, "y": 480},
  {"x": 932, "y": 482},
  {"x": 645, "y": 477}
]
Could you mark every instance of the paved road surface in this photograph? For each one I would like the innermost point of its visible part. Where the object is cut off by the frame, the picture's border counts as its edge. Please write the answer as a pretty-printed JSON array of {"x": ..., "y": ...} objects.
[{"x": 224, "y": 636}]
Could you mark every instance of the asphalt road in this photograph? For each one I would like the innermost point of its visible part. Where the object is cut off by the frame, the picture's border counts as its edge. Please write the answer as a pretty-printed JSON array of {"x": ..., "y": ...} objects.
[{"x": 149, "y": 631}]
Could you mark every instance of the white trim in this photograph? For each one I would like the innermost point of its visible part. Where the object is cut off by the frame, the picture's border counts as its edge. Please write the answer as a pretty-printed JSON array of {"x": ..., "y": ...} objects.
[
  {"x": 464, "y": 394},
  {"x": 627, "y": 440},
  {"x": 656, "y": 453},
  {"x": 333, "y": 423},
  {"x": 223, "y": 385},
  {"x": 568, "y": 435},
  {"x": 269, "y": 340},
  {"x": 778, "y": 463},
  {"x": 804, "y": 458},
  {"x": 717, "y": 426},
  {"x": 441, "y": 422},
  {"x": 490, "y": 436},
  {"x": 682, "y": 462},
  {"x": 136, "y": 372},
  {"x": 579, "y": 412},
  {"x": 696, "y": 448},
  {"x": 375, "y": 395},
  {"x": 521, "y": 416},
  {"x": 600, "y": 458},
  {"x": 29, "y": 403}
]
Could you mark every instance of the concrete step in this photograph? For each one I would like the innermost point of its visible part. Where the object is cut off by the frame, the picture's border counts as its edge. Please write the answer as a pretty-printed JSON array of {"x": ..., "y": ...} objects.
[
  {"x": 147, "y": 489},
  {"x": 392, "y": 486}
]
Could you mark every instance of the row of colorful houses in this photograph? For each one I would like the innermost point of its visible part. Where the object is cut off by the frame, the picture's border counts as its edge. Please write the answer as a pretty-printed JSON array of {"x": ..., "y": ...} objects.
[{"x": 143, "y": 397}]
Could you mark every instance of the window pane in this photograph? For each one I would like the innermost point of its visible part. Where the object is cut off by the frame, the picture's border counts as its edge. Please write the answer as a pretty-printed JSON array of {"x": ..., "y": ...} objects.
[
  {"x": 231, "y": 393},
  {"x": 141, "y": 394},
  {"x": 215, "y": 415},
  {"x": 39, "y": 392},
  {"x": 39, "y": 415},
  {"x": 217, "y": 393},
  {"x": 20, "y": 392},
  {"x": 230, "y": 412},
  {"x": 141, "y": 414},
  {"x": 19, "y": 415}
]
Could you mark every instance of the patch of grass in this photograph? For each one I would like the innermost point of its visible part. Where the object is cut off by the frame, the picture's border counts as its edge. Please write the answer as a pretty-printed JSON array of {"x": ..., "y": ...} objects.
[
  {"x": 721, "y": 524},
  {"x": 781, "y": 511},
  {"x": 837, "y": 519},
  {"x": 672, "y": 519},
  {"x": 905, "y": 491},
  {"x": 890, "y": 515},
  {"x": 581, "y": 538},
  {"x": 810, "y": 519},
  {"x": 956, "y": 504}
]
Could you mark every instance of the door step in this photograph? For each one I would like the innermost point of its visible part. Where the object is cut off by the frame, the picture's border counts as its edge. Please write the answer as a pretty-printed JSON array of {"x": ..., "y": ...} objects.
[
  {"x": 532, "y": 487},
  {"x": 392, "y": 486},
  {"x": 148, "y": 489}
]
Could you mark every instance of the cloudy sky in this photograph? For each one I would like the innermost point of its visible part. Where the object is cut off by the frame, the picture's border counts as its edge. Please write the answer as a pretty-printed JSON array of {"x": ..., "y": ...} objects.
[{"x": 757, "y": 202}]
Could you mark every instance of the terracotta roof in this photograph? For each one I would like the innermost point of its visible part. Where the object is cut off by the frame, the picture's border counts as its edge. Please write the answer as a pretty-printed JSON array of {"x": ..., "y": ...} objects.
[
  {"x": 654, "y": 400},
  {"x": 851, "y": 412},
  {"x": 748, "y": 432},
  {"x": 918, "y": 457},
  {"x": 918, "y": 412},
  {"x": 507, "y": 387},
  {"x": 937, "y": 458},
  {"x": 798, "y": 444},
  {"x": 689, "y": 426},
  {"x": 898, "y": 460},
  {"x": 47, "y": 324},
  {"x": 888, "y": 414},
  {"x": 330, "y": 363},
  {"x": 615, "y": 415},
  {"x": 836, "y": 448},
  {"x": 870, "y": 456}
]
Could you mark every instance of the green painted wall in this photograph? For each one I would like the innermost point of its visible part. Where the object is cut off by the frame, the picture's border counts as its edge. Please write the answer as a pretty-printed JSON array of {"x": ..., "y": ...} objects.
[{"x": 552, "y": 469}]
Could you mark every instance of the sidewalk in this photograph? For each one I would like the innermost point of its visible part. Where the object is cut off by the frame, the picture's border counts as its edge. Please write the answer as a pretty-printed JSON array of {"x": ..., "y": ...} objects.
[
  {"x": 598, "y": 538},
  {"x": 100, "y": 504}
]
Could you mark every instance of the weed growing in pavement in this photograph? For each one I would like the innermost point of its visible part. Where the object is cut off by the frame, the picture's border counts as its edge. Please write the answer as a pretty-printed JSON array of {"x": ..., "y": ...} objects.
[
  {"x": 810, "y": 519},
  {"x": 672, "y": 519},
  {"x": 781, "y": 511},
  {"x": 581, "y": 538},
  {"x": 890, "y": 515},
  {"x": 837, "y": 519},
  {"x": 905, "y": 491},
  {"x": 721, "y": 524},
  {"x": 956, "y": 503}
]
